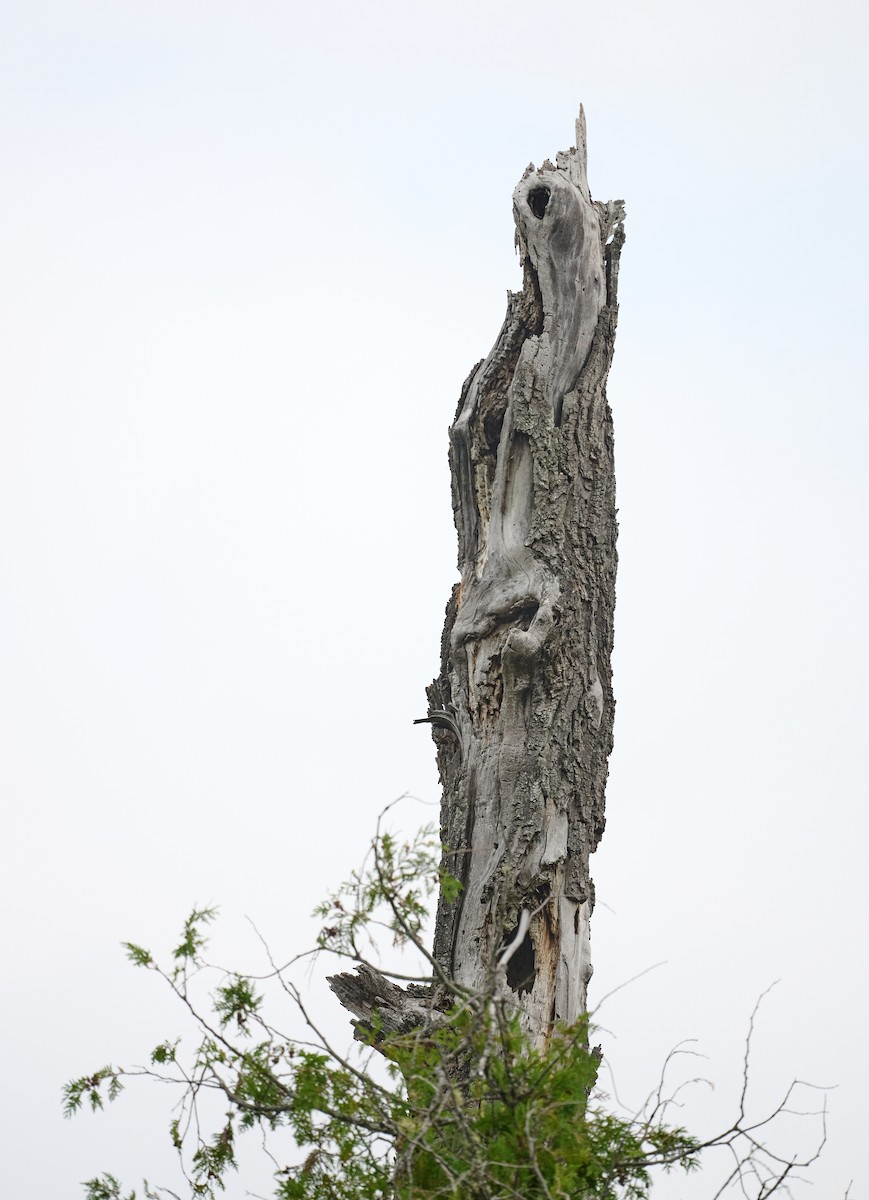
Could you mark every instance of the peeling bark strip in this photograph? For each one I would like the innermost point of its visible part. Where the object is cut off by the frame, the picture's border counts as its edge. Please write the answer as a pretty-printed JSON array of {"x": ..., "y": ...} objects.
[{"x": 522, "y": 711}]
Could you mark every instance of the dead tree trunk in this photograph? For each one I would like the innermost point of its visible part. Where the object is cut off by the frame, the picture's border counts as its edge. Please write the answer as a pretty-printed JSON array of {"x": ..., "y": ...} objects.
[{"x": 522, "y": 709}]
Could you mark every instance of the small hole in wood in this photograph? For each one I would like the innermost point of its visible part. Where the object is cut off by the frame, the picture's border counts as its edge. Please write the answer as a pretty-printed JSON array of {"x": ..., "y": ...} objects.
[
  {"x": 522, "y": 967},
  {"x": 538, "y": 198}
]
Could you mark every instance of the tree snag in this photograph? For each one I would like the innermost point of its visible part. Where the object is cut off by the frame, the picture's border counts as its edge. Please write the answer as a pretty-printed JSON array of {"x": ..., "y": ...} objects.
[{"x": 522, "y": 711}]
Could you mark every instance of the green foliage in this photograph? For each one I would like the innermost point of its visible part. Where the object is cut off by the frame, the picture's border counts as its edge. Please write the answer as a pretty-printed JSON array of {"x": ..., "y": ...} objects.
[
  {"x": 164, "y": 1053},
  {"x": 90, "y": 1088},
  {"x": 193, "y": 939},
  {"x": 137, "y": 955},
  {"x": 468, "y": 1107},
  {"x": 237, "y": 1001},
  {"x": 106, "y": 1188},
  {"x": 389, "y": 891},
  {"x": 514, "y": 1120}
]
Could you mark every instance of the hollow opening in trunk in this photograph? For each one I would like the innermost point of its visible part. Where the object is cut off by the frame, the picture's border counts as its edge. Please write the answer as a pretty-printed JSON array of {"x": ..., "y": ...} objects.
[
  {"x": 538, "y": 198},
  {"x": 521, "y": 968}
]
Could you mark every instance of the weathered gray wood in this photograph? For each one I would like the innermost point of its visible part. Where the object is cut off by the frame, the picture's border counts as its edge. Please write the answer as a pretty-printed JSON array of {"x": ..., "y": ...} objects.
[
  {"x": 522, "y": 711},
  {"x": 381, "y": 1004},
  {"x": 525, "y": 670}
]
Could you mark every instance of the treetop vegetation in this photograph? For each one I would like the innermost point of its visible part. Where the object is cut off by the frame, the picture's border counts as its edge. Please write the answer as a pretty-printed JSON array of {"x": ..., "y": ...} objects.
[{"x": 465, "y": 1105}]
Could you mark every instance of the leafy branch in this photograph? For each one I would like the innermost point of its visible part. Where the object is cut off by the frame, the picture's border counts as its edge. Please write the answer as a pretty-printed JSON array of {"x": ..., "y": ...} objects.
[{"x": 467, "y": 1107}]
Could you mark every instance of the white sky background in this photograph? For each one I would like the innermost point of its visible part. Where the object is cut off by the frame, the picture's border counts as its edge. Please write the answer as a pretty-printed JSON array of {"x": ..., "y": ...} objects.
[{"x": 250, "y": 252}]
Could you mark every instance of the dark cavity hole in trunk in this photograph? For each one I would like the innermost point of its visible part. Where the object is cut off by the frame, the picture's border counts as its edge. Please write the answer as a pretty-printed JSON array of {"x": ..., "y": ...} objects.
[
  {"x": 526, "y": 616},
  {"x": 492, "y": 425},
  {"x": 521, "y": 616},
  {"x": 538, "y": 198},
  {"x": 521, "y": 968}
]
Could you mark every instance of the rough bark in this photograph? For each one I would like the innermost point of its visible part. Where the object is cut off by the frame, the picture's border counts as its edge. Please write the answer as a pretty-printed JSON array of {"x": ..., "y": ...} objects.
[
  {"x": 381, "y": 1004},
  {"x": 522, "y": 711}
]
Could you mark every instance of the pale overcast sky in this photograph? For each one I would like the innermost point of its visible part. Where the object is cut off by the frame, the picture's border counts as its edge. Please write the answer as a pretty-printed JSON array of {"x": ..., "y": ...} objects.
[{"x": 250, "y": 252}]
